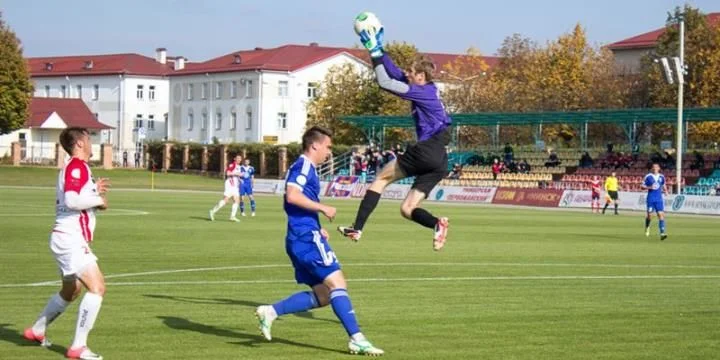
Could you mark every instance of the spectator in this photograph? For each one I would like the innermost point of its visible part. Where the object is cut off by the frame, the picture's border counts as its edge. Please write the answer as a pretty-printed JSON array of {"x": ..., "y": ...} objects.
[
  {"x": 357, "y": 164},
  {"x": 717, "y": 189},
  {"x": 399, "y": 150},
  {"x": 586, "y": 161},
  {"x": 137, "y": 159},
  {"x": 456, "y": 172},
  {"x": 669, "y": 161},
  {"x": 523, "y": 167},
  {"x": 553, "y": 160},
  {"x": 512, "y": 167},
  {"x": 503, "y": 167},
  {"x": 125, "y": 158},
  {"x": 635, "y": 151},
  {"x": 496, "y": 168},
  {"x": 610, "y": 147},
  {"x": 508, "y": 153},
  {"x": 364, "y": 169},
  {"x": 699, "y": 162}
]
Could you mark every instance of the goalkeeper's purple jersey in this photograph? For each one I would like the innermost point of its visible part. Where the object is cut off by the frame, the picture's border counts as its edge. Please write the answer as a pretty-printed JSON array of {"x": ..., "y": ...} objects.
[{"x": 428, "y": 111}]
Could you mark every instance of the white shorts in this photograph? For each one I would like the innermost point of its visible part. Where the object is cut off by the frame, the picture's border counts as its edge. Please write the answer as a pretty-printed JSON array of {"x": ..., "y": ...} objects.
[
  {"x": 231, "y": 190},
  {"x": 72, "y": 253}
]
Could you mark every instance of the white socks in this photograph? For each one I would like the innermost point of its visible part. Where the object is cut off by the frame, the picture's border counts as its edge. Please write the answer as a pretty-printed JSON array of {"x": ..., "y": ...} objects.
[
  {"x": 87, "y": 313},
  {"x": 55, "y": 306},
  {"x": 234, "y": 210},
  {"x": 218, "y": 206}
]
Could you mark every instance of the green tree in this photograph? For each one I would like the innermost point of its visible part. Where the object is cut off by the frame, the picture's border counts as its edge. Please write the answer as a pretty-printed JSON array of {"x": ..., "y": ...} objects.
[{"x": 15, "y": 86}]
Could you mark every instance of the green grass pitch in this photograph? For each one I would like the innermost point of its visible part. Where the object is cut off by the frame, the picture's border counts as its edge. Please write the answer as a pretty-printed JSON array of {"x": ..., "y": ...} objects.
[{"x": 512, "y": 283}]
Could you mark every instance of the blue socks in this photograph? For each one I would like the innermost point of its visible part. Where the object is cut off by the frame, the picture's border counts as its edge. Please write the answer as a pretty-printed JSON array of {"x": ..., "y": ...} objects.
[
  {"x": 298, "y": 302},
  {"x": 662, "y": 226},
  {"x": 242, "y": 206},
  {"x": 647, "y": 223},
  {"x": 252, "y": 205},
  {"x": 343, "y": 309}
]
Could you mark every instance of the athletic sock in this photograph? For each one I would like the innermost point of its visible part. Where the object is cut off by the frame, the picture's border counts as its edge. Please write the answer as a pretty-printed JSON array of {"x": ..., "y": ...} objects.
[
  {"x": 662, "y": 226},
  {"x": 242, "y": 206},
  {"x": 219, "y": 206},
  {"x": 252, "y": 205},
  {"x": 647, "y": 222},
  {"x": 54, "y": 308},
  {"x": 343, "y": 309},
  {"x": 298, "y": 302},
  {"x": 87, "y": 314},
  {"x": 424, "y": 218},
  {"x": 368, "y": 204},
  {"x": 233, "y": 212}
]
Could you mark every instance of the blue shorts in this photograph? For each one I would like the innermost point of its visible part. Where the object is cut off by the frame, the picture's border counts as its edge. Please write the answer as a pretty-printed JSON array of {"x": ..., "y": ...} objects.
[
  {"x": 655, "y": 206},
  {"x": 312, "y": 257},
  {"x": 246, "y": 189}
]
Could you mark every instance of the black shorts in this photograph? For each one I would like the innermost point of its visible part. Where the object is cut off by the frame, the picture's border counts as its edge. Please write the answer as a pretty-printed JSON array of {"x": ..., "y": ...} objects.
[
  {"x": 595, "y": 195},
  {"x": 613, "y": 195},
  {"x": 427, "y": 161}
]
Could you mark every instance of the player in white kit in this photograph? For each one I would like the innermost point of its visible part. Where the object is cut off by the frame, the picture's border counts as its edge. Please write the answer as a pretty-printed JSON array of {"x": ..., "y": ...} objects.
[
  {"x": 233, "y": 176},
  {"x": 79, "y": 196}
]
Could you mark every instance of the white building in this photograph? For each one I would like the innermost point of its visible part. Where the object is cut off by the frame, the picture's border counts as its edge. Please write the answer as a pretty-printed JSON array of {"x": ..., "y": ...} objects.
[{"x": 124, "y": 91}]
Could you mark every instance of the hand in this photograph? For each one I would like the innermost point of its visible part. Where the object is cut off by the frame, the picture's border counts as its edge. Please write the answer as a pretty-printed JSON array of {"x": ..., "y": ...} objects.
[
  {"x": 329, "y": 212},
  {"x": 325, "y": 234},
  {"x": 373, "y": 42},
  {"x": 104, "y": 206},
  {"x": 103, "y": 185}
]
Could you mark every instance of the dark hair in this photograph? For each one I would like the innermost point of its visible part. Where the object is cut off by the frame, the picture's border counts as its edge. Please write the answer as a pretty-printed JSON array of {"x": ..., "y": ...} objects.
[
  {"x": 313, "y": 135},
  {"x": 70, "y": 136}
]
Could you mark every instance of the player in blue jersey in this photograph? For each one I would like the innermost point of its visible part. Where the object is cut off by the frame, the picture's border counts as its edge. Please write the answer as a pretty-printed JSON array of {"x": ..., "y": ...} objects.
[
  {"x": 427, "y": 160},
  {"x": 246, "y": 186},
  {"x": 654, "y": 183},
  {"x": 306, "y": 243}
]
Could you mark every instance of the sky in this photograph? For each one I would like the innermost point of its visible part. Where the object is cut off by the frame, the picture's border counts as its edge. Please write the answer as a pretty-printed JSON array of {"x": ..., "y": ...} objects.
[{"x": 203, "y": 29}]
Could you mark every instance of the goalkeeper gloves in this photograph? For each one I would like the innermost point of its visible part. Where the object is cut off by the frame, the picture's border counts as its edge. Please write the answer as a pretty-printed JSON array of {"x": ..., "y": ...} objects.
[{"x": 373, "y": 42}]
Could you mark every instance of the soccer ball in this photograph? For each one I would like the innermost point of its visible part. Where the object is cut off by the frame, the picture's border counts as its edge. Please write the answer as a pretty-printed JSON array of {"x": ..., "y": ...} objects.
[{"x": 367, "y": 21}]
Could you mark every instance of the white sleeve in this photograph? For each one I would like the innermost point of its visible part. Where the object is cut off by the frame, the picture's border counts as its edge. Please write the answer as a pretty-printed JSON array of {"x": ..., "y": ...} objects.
[{"x": 78, "y": 202}]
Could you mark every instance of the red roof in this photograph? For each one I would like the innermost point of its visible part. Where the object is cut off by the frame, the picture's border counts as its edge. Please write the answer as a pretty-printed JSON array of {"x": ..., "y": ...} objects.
[
  {"x": 649, "y": 39},
  {"x": 291, "y": 58},
  {"x": 73, "y": 112},
  {"x": 111, "y": 64}
]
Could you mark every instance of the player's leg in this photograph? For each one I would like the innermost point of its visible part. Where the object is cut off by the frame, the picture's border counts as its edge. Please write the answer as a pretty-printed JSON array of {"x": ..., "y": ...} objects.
[
  {"x": 94, "y": 281},
  {"x": 648, "y": 219},
  {"x": 608, "y": 200},
  {"x": 661, "y": 224},
  {"x": 234, "y": 209},
  {"x": 252, "y": 202},
  {"x": 617, "y": 203},
  {"x": 55, "y": 307},
  {"x": 389, "y": 174},
  {"x": 242, "y": 200},
  {"x": 219, "y": 206},
  {"x": 343, "y": 309}
]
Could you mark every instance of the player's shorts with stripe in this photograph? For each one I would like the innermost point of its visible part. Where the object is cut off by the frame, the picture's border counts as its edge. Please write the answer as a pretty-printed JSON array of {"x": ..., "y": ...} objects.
[
  {"x": 312, "y": 257},
  {"x": 595, "y": 195},
  {"x": 427, "y": 161},
  {"x": 231, "y": 189},
  {"x": 72, "y": 253},
  {"x": 246, "y": 188},
  {"x": 655, "y": 206},
  {"x": 613, "y": 195}
]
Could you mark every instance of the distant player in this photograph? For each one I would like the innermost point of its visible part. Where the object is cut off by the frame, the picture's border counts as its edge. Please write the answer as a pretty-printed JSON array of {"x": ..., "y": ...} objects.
[
  {"x": 427, "y": 160},
  {"x": 611, "y": 190},
  {"x": 654, "y": 183},
  {"x": 246, "y": 186},
  {"x": 232, "y": 181},
  {"x": 595, "y": 188},
  {"x": 306, "y": 243},
  {"x": 78, "y": 197}
]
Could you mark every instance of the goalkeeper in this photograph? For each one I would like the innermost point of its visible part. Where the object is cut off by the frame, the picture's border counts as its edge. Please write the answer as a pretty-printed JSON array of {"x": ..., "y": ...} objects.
[{"x": 427, "y": 160}]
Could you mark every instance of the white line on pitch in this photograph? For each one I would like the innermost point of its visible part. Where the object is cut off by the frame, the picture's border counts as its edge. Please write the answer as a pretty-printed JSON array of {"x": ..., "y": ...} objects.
[{"x": 404, "y": 279}]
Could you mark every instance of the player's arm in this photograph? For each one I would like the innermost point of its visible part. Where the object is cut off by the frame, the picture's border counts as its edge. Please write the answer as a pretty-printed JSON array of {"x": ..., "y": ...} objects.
[
  {"x": 401, "y": 89},
  {"x": 295, "y": 196},
  {"x": 646, "y": 183},
  {"x": 392, "y": 70},
  {"x": 75, "y": 179}
]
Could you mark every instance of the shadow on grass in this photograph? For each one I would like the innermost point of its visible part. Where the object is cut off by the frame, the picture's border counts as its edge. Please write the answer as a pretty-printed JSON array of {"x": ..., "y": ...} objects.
[
  {"x": 234, "y": 302},
  {"x": 246, "y": 339},
  {"x": 203, "y": 218},
  {"x": 15, "y": 336}
]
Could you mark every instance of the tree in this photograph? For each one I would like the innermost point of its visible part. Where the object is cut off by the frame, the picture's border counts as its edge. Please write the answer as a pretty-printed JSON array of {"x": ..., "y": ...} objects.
[
  {"x": 702, "y": 57},
  {"x": 347, "y": 90},
  {"x": 15, "y": 86}
]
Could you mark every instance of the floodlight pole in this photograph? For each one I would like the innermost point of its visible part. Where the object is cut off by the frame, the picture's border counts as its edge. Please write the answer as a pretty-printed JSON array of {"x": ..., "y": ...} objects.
[{"x": 678, "y": 161}]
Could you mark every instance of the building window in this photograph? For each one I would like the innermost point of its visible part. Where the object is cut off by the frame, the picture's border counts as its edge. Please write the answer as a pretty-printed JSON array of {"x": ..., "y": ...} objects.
[
  {"x": 312, "y": 91},
  {"x": 47, "y": 90},
  {"x": 203, "y": 125},
  {"x": 248, "y": 120},
  {"x": 233, "y": 89},
  {"x": 140, "y": 92},
  {"x": 282, "y": 120},
  {"x": 151, "y": 122},
  {"x": 79, "y": 91},
  {"x": 138, "y": 121},
  {"x": 63, "y": 91},
  {"x": 203, "y": 91},
  {"x": 233, "y": 120},
  {"x": 190, "y": 89},
  {"x": 218, "y": 90},
  {"x": 248, "y": 89},
  {"x": 151, "y": 93},
  {"x": 282, "y": 88},
  {"x": 96, "y": 92},
  {"x": 190, "y": 120},
  {"x": 218, "y": 120}
]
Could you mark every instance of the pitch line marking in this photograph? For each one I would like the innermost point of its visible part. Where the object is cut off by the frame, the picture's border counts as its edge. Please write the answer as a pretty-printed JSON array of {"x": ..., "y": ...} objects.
[
  {"x": 111, "y": 212},
  {"x": 403, "y": 279}
]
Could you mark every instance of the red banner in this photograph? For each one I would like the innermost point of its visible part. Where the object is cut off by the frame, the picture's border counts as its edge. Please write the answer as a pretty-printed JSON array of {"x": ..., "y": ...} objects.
[{"x": 528, "y": 197}]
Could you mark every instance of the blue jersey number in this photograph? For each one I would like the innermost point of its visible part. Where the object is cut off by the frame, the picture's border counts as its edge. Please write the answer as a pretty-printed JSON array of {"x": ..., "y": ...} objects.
[{"x": 328, "y": 257}]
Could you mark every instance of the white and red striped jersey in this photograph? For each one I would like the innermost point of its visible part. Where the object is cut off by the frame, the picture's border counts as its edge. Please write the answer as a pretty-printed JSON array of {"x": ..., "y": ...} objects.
[
  {"x": 77, "y": 198},
  {"x": 233, "y": 174},
  {"x": 595, "y": 186}
]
